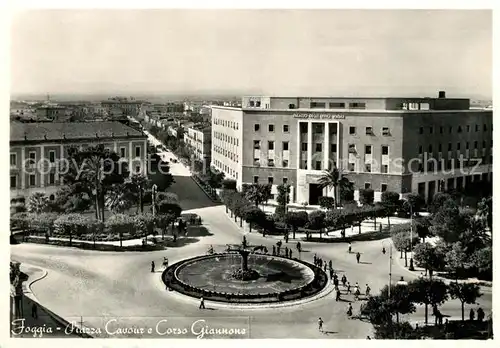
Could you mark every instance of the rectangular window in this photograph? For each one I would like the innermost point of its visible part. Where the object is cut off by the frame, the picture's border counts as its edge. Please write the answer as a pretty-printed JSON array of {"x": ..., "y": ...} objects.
[
  {"x": 458, "y": 146},
  {"x": 13, "y": 159},
  {"x": 484, "y": 144},
  {"x": 256, "y": 127},
  {"x": 317, "y": 105},
  {"x": 475, "y": 145},
  {"x": 368, "y": 167},
  {"x": 303, "y": 127},
  {"x": 459, "y": 129},
  {"x": 137, "y": 151},
  {"x": 477, "y": 128},
  {"x": 270, "y": 180},
  {"x": 285, "y": 128},
  {"x": 421, "y": 131},
  {"x": 304, "y": 147},
  {"x": 431, "y": 130},
  {"x": 319, "y": 147},
  {"x": 270, "y": 162},
  {"x": 256, "y": 144},
  {"x": 352, "y": 130},
  {"x": 52, "y": 156},
  {"x": 449, "y": 147},
  {"x": 369, "y": 131},
  {"x": 257, "y": 104},
  {"x": 467, "y": 145},
  {"x": 333, "y": 147},
  {"x": 357, "y": 105},
  {"x": 285, "y": 146},
  {"x": 367, "y": 185},
  {"x": 385, "y": 168},
  {"x": 351, "y": 167},
  {"x": 285, "y": 180},
  {"x": 383, "y": 187},
  {"x": 32, "y": 180},
  {"x": 450, "y": 129},
  {"x": 430, "y": 149},
  {"x": 485, "y": 127},
  {"x": 122, "y": 152},
  {"x": 385, "y": 131},
  {"x": 270, "y": 145},
  {"x": 441, "y": 130},
  {"x": 13, "y": 181},
  {"x": 420, "y": 149},
  {"x": 385, "y": 150},
  {"x": 440, "y": 147},
  {"x": 317, "y": 165},
  {"x": 256, "y": 162},
  {"x": 285, "y": 164},
  {"x": 255, "y": 179},
  {"x": 468, "y": 128},
  {"x": 52, "y": 178},
  {"x": 337, "y": 105},
  {"x": 368, "y": 149},
  {"x": 351, "y": 148},
  {"x": 270, "y": 127}
]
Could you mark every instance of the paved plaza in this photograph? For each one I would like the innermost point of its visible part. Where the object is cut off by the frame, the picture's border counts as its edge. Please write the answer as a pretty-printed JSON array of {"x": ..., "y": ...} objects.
[{"x": 99, "y": 286}]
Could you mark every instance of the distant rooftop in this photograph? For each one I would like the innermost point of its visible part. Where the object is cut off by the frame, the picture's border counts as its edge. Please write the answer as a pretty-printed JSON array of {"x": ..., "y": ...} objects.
[{"x": 69, "y": 130}]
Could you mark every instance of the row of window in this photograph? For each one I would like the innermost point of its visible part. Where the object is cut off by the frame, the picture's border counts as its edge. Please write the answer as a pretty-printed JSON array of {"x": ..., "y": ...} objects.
[
  {"x": 351, "y": 167},
  {"x": 270, "y": 128},
  {"x": 270, "y": 145},
  {"x": 368, "y": 149},
  {"x": 226, "y": 169},
  {"x": 226, "y": 138},
  {"x": 369, "y": 131},
  {"x": 226, "y": 123},
  {"x": 31, "y": 180},
  {"x": 451, "y": 164},
  {"x": 270, "y": 180},
  {"x": 337, "y": 105},
  {"x": 52, "y": 155},
  {"x": 226, "y": 153},
  {"x": 459, "y": 129},
  {"x": 450, "y": 146},
  {"x": 270, "y": 162}
]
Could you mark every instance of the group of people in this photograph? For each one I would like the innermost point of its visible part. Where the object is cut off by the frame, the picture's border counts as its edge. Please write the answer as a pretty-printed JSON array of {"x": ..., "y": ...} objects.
[
  {"x": 277, "y": 250},
  {"x": 319, "y": 262}
]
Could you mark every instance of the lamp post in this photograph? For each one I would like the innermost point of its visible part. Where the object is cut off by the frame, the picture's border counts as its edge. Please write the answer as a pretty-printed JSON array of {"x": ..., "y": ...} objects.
[{"x": 411, "y": 268}]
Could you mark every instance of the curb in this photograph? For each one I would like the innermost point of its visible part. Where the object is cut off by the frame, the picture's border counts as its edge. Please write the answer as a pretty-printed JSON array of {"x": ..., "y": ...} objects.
[
  {"x": 31, "y": 295},
  {"x": 327, "y": 290},
  {"x": 204, "y": 191}
]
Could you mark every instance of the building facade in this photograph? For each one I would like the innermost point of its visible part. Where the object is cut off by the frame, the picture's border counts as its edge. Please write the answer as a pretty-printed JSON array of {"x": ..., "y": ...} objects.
[
  {"x": 419, "y": 145},
  {"x": 36, "y": 150},
  {"x": 53, "y": 113},
  {"x": 200, "y": 139}
]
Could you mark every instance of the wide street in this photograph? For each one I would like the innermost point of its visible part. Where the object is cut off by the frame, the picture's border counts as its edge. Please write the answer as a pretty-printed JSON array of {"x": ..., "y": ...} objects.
[{"x": 98, "y": 286}]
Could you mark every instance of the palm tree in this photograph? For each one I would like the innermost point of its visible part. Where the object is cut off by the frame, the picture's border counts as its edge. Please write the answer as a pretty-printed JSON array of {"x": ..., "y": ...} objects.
[
  {"x": 119, "y": 199},
  {"x": 137, "y": 184},
  {"x": 38, "y": 203},
  {"x": 334, "y": 179}
]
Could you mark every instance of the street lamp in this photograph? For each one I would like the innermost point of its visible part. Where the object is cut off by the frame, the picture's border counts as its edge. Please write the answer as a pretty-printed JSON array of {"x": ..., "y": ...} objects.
[
  {"x": 411, "y": 268},
  {"x": 153, "y": 201}
]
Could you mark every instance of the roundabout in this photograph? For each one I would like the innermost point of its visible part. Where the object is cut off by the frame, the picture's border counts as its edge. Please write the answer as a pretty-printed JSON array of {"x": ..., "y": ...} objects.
[{"x": 245, "y": 274}]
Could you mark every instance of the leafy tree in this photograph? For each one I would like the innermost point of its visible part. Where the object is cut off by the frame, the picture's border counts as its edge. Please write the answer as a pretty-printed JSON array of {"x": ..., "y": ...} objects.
[
  {"x": 466, "y": 293},
  {"x": 400, "y": 331},
  {"x": 334, "y": 179},
  {"x": 229, "y": 184},
  {"x": 400, "y": 300},
  {"x": 17, "y": 207},
  {"x": 483, "y": 261},
  {"x": 317, "y": 221},
  {"x": 485, "y": 211},
  {"x": 258, "y": 193},
  {"x": 428, "y": 292},
  {"x": 215, "y": 178},
  {"x": 254, "y": 215},
  {"x": 283, "y": 199},
  {"x": 377, "y": 309},
  {"x": 38, "y": 203},
  {"x": 168, "y": 203},
  {"x": 438, "y": 201},
  {"x": 457, "y": 260},
  {"x": 422, "y": 227},
  {"x": 163, "y": 221},
  {"x": 45, "y": 222},
  {"x": 390, "y": 201},
  {"x": 67, "y": 200},
  {"x": 346, "y": 192},
  {"x": 75, "y": 225},
  {"x": 416, "y": 202},
  {"x": 296, "y": 219},
  {"x": 93, "y": 171},
  {"x": 448, "y": 223},
  {"x": 366, "y": 196},
  {"x": 428, "y": 257}
]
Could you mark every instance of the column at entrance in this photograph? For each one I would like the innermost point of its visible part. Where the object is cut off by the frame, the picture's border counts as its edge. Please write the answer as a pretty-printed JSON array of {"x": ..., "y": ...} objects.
[
  {"x": 326, "y": 147},
  {"x": 309, "y": 145}
]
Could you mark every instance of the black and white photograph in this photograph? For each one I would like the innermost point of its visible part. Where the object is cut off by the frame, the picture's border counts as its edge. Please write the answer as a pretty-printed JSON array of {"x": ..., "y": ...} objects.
[{"x": 287, "y": 173}]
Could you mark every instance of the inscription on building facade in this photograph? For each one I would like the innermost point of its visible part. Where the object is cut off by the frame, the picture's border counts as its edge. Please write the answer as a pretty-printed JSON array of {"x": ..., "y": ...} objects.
[{"x": 320, "y": 116}]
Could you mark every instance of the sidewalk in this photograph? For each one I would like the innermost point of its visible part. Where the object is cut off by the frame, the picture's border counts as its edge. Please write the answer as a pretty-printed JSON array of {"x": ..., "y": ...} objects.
[
  {"x": 46, "y": 324},
  {"x": 129, "y": 242}
]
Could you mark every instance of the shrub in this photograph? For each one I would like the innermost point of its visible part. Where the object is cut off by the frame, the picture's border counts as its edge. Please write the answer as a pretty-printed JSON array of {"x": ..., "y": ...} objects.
[
  {"x": 144, "y": 223},
  {"x": 228, "y": 184},
  {"x": 327, "y": 202},
  {"x": 75, "y": 224},
  {"x": 121, "y": 224},
  {"x": 366, "y": 196}
]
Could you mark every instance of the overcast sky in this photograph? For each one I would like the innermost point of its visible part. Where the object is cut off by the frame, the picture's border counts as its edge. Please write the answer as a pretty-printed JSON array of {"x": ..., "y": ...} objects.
[{"x": 272, "y": 52}]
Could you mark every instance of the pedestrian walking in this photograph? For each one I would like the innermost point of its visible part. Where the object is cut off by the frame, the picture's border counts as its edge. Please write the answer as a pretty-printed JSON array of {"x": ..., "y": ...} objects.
[
  {"x": 480, "y": 314},
  {"x": 349, "y": 310},
  {"x": 274, "y": 250},
  {"x": 315, "y": 258},
  {"x": 320, "y": 324},
  {"x": 202, "y": 303},
  {"x": 344, "y": 280},
  {"x": 290, "y": 253},
  {"x": 299, "y": 247},
  {"x": 152, "y": 266},
  {"x": 331, "y": 273},
  {"x": 286, "y": 251},
  {"x": 348, "y": 288},
  {"x": 324, "y": 267},
  {"x": 472, "y": 314},
  {"x": 337, "y": 294},
  {"x": 330, "y": 264},
  {"x": 349, "y": 248},
  {"x": 286, "y": 238},
  {"x": 358, "y": 256},
  {"x": 336, "y": 281},
  {"x": 383, "y": 250},
  {"x": 367, "y": 290}
]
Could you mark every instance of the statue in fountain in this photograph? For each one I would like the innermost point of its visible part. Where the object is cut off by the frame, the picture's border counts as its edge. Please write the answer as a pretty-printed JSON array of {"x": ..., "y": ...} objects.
[{"x": 244, "y": 250}]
